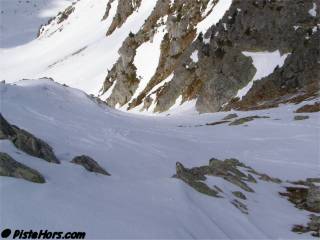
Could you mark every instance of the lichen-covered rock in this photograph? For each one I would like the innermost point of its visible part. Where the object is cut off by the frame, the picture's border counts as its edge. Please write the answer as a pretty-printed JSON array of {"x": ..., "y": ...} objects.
[
  {"x": 26, "y": 142},
  {"x": 89, "y": 164},
  {"x": 11, "y": 168}
]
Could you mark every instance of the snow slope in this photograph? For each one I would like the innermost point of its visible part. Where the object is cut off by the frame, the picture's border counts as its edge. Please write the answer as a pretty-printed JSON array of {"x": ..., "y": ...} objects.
[
  {"x": 77, "y": 51},
  {"x": 67, "y": 53},
  {"x": 140, "y": 199},
  {"x": 21, "y": 20}
]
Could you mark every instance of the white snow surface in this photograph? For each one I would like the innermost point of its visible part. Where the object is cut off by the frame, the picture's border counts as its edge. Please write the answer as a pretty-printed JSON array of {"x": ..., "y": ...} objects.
[
  {"x": 313, "y": 11},
  {"x": 265, "y": 63},
  {"x": 214, "y": 17},
  {"x": 140, "y": 199},
  {"x": 194, "y": 56},
  {"x": 21, "y": 19},
  {"x": 147, "y": 59},
  {"x": 76, "y": 52}
]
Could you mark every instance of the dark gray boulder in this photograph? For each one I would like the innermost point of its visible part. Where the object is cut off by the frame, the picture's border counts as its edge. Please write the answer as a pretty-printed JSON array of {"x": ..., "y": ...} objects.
[
  {"x": 11, "y": 168},
  {"x": 89, "y": 164},
  {"x": 300, "y": 117},
  {"x": 26, "y": 142},
  {"x": 230, "y": 116},
  {"x": 6, "y": 131},
  {"x": 194, "y": 177},
  {"x": 243, "y": 120},
  {"x": 33, "y": 146},
  {"x": 231, "y": 170},
  {"x": 240, "y": 195}
]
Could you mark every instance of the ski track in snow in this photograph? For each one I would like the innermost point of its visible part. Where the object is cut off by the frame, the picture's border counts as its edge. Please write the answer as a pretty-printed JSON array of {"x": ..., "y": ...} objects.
[{"x": 141, "y": 199}]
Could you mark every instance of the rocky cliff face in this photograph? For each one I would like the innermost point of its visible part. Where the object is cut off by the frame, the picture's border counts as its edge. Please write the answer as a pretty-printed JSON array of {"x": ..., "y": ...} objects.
[
  {"x": 179, "y": 20},
  {"x": 208, "y": 64}
]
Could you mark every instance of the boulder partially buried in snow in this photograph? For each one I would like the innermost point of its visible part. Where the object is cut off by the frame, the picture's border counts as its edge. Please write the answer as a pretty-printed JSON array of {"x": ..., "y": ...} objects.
[
  {"x": 26, "y": 142},
  {"x": 304, "y": 194},
  {"x": 89, "y": 164},
  {"x": 313, "y": 226},
  {"x": 231, "y": 170},
  {"x": 309, "y": 108},
  {"x": 11, "y": 168}
]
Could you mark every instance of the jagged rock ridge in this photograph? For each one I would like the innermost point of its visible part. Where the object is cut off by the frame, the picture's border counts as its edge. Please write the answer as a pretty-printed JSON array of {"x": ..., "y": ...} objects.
[
  {"x": 210, "y": 67},
  {"x": 222, "y": 69}
]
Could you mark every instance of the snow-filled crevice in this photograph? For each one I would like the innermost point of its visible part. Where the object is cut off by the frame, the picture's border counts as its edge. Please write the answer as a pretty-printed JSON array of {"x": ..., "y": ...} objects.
[
  {"x": 214, "y": 17},
  {"x": 265, "y": 63},
  {"x": 147, "y": 59}
]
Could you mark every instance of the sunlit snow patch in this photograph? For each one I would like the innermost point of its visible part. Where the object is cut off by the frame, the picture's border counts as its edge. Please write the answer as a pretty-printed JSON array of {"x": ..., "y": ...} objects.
[
  {"x": 265, "y": 63},
  {"x": 194, "y": 56},
  {"x": 214, "y": 17},
  {"x": 312, "y": 11},
  {"x": 147, "y": 59}
]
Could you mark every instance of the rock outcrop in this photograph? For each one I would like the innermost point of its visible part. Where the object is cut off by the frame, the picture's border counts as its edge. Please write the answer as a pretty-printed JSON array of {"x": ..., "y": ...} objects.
[
  {"x": 222, "y": 69},
  {"x": 304, "y": 194},
  {"x": 309, "y": 108},
  {"x": 300, "y": 117},
  {"x": 210, "y": 67},
  {"x": 230, "y": 170},
  {"x": 11, "y": 168},
  {"x": 313, "y": 226},
  {"x": 244, "y": 120},
  {"x": 26, "y": 142},
  {"x": 89, "y": 164},
  {"x": 179, "y": 20},
  {"x": 124, "y": 10}
]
